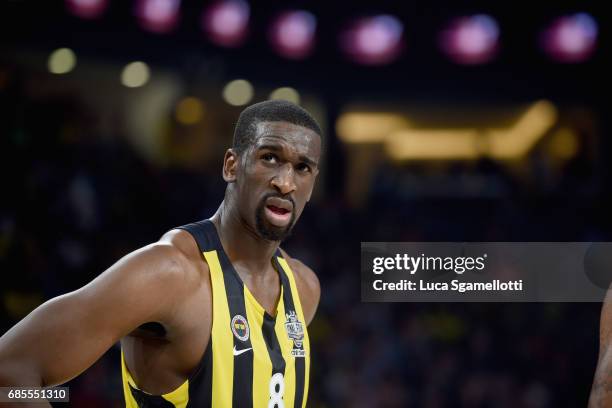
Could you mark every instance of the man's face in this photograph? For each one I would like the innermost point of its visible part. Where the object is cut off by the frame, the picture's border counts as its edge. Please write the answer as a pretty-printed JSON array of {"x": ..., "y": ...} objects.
[{"x": 276, "y": 176}]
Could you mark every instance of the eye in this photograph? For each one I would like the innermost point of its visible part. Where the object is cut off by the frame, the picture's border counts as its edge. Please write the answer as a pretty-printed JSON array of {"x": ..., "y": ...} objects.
[
  {"x": 269, "y": 157},
  {"x": 303, "y": 167}
]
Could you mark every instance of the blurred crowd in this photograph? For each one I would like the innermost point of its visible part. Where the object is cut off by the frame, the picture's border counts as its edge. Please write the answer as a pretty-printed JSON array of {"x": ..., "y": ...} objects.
[{"x": 73, "y": 203}]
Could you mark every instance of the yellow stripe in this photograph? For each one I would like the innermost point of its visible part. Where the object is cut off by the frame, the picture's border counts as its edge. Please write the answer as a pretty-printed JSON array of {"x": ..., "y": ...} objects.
[
  {"x": 255, "y": 303},
  {"x": 179, "y": 397},
  {"x": 298, "y": 308},
  {"x": 126, "y": 378},
  {"x": 286, "y": 345},
  {"x": 262, "y": 365},
  {"x": 306, "y": 367},
  {"x": 222, "y": 342}
]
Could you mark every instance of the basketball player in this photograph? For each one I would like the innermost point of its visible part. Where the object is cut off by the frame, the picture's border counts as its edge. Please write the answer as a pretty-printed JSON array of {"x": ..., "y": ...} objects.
[
  {"x": 601, "y": 393},
  {"x": 214, "y": 313}
]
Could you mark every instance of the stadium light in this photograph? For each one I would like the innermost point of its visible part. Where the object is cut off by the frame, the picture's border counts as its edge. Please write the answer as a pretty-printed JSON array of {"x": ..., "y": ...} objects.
[
  {"x": 61, "y": 61},
  {"x": 368, "y": 127},
  {"x": 471, "y": 39},
  {"x": 375, "y": 40},
  {"x": 286, "y": 93},
  {"x": 159, "y": 16},
  {"x": 88, "y": 9},
  {"x": 226, "y": 22},
  {"x": 402, "y": 140},
  {"x": 238, "y": 92},
  {"x": 570, "y": 39},
  {"x": 292, "y": 34},
  {"x": 135, "y": 74},
  {"x": 189, "y": 111}
]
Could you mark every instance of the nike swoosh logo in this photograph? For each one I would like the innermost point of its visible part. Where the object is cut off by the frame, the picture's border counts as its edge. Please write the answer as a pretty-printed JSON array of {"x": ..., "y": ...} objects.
[{"x": 239, "y": 352}]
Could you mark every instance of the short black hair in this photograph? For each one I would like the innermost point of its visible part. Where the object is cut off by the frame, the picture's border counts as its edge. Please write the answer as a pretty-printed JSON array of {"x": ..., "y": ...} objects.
[{"x": 269, "y": 111}]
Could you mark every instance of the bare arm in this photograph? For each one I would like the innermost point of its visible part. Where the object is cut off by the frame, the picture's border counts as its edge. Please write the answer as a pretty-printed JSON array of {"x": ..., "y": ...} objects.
[
  {"x": 67, "y": 334},
  {"x": 601, "y": 393}
]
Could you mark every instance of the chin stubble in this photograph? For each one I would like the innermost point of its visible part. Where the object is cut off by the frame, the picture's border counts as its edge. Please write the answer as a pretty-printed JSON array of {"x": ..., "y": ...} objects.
[{"x": 270, "y": 232}]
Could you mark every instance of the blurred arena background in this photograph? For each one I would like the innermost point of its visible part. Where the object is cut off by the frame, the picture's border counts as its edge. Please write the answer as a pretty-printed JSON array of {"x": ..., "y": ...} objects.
[{"x": 481, "y": 121}]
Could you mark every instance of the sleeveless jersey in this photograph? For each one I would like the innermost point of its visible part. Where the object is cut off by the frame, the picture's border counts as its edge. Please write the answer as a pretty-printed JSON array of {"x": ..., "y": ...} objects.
[{"x": 252, "y": 359}]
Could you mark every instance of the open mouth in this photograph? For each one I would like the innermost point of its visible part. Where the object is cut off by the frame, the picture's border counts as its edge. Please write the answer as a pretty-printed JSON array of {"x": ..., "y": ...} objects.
[{"x": 278, "y": 210}]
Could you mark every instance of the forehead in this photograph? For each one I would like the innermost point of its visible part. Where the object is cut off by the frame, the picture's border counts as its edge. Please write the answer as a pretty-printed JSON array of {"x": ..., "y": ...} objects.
[{"x": 289, "y": 135}]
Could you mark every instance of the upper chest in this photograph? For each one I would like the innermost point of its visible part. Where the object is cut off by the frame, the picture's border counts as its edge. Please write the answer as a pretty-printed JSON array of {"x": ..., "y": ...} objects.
[
  {"x": 265, "y": 316},
  {"x": 265, "y": 291}
]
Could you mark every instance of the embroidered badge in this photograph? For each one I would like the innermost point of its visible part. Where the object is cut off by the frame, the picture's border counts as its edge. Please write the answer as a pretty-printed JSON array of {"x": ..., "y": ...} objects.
[
  {"x": 295, "y": 332},
  {"x": 240, "y": 328}
]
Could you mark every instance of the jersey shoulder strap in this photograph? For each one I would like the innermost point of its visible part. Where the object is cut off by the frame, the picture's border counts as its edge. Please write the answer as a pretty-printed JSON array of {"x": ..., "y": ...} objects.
[{"x": 204, "y": 234}]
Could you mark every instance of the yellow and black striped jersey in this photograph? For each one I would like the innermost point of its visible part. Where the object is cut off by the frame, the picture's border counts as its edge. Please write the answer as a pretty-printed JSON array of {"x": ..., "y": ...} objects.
[{"x": 253, "y": 359}]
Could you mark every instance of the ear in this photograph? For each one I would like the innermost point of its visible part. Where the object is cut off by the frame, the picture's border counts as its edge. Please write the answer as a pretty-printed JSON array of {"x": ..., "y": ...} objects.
[{"x": 230, "y": 166}]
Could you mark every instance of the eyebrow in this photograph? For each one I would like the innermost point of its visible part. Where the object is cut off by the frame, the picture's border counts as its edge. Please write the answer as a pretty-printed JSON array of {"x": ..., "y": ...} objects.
[{"x": 277, "y": 148}]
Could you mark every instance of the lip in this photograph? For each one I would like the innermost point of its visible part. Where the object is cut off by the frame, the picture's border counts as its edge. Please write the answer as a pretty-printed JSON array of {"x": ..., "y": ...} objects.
[
  {"x": 280, "y": 203},
  {"x": 276, "y": 219}
]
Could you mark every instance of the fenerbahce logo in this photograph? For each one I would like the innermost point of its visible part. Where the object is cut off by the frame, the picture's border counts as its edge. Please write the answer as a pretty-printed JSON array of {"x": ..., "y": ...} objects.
[
  {"x": 240, "y": 328},
  {"x": 295, "y": 332}
]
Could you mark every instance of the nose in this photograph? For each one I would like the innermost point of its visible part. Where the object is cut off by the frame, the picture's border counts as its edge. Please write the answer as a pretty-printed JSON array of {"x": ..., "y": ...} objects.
[{"x": 284, "y": 181}]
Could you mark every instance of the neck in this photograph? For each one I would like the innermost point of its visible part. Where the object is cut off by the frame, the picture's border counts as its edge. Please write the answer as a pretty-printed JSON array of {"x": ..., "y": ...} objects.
[{"x": 241, "y": 241}]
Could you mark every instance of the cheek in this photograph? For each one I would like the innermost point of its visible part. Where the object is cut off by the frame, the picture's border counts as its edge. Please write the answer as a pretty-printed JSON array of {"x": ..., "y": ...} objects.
[
  {"x": 306, "y": 186},
  {"x": 253, "y": 186},
  {"x": 258, "y": 173},
  {"x": 254, "y": 176},
  {"x": 302, "y": 198}
]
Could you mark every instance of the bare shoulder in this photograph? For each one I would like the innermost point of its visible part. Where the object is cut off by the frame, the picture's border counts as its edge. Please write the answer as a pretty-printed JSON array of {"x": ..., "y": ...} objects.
[
  {"x": 169, "y": 260},
  {"x": 308, "y": 286},
  {"x": 184, "y": 250},
  {"x": 167, "y": 269}
]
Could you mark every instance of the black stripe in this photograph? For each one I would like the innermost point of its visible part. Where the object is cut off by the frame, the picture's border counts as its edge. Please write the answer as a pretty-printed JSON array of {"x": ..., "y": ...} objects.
[
  {"x": 242, "y": 387},
  {"x": 300, "y": 369},
  {"x": 203, "y": 233},
  {"x": 200, "y": 382},
  {"x": 299, "y": 381},
  {"x": 274, "y": 349},
  {"x": 242, "y": 390},
  {"x": 287, "y": 296},
  {"x": 200, "y": 385},
  {"x": 272, "y": 345}
]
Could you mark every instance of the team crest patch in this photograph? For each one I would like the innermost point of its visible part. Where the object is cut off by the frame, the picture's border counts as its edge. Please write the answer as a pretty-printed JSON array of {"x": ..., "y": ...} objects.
[
  {"x": 295, "y": 332},
  {"x": 240, "y": 328}
]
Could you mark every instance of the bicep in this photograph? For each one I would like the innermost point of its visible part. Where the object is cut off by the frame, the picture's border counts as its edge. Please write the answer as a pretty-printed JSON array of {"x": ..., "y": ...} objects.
[
  {"x": 67, "y": 334},
  {"x": 54, "y": 343}
]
